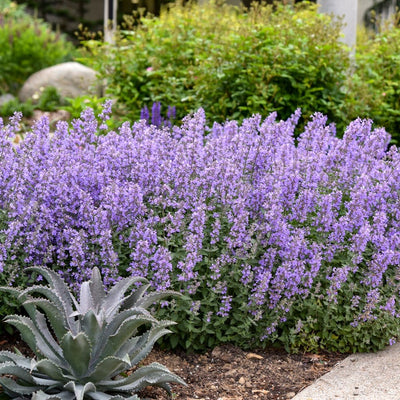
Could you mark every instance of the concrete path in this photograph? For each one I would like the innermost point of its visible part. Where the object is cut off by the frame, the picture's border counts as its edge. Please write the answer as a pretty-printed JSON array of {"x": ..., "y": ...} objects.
[{"x": 369, "y": 376}]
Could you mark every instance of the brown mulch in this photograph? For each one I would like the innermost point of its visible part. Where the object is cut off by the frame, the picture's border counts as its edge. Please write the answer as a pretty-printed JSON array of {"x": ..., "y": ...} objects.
[{"x": 229, "y": 373}]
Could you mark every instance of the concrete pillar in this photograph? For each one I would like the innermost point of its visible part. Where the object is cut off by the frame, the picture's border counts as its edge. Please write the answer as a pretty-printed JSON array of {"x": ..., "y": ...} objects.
[
  {"x": 110, "y": 19},
  {"x": 346, "y": 9}
]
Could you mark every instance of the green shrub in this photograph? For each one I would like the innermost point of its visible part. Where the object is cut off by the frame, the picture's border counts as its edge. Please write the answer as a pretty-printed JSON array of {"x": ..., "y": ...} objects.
[
  {"x": 315, "y": 323},
  {"x": 10, "y": 107},
  {"x": 27, "y": 45},
  {"x": 230, "y": 62},
  {"x": 49, "y": 99},
  {"x": 76, "y": 105},
  {"x": 373, "y": 89}
]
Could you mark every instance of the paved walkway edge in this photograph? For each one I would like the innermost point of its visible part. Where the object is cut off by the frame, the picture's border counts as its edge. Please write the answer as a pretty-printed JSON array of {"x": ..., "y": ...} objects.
[{"x": 362, "y": 376}]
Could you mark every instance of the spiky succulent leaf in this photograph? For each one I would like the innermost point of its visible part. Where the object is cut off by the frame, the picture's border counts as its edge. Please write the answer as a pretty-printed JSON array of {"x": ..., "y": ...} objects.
[
  {"x": 18, "y": 359},
  {"x": 14, "y": 389},
  {"x": 112, "y": 327},
  {"x": 115, "y": 296},
  {"x": 105, "y": 396},
  {"x": 151, "y": 298},
  {"x": 49, "y": 384},
  {"x": 131, "y": 300},
  {"x": 140, "y": 351},
  {"x": 64, "y": 395},
  {"x": 76, "y": 350},
  {"x": 58, "y": 284},
  {"x": 52, "y": 370},
  {"x": 109, "y": 367},
  {"x": 86, "y": 299},
  {"x": 10, "y": 368},
  {"x": 127, "y": 329},
  {"x": 32, "y": 335},
  {"x": 26, "y": 329},
  {"x": 92, "y": 326},
  {"x": 80, "y": 390},
  {"x": 53, "y": 297},
  {"x": 97, "y": 288},
  {"x": 54, "y": 314},
  {"x": 144, "y": 376},
  {"x": 42, "y": 328}
]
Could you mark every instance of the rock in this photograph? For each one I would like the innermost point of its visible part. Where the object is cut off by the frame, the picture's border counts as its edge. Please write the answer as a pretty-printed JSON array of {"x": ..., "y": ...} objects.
[
  {"x": 221, "y": 354},
  {"x": 253, "y": 355},
  {"x": 5, "y": 98},
  {"x": 53, "y": 116},
  {"x": 231, "y": 372},
  {"x": 242, "y": 381},
  {"x": 71, "y": 79}
]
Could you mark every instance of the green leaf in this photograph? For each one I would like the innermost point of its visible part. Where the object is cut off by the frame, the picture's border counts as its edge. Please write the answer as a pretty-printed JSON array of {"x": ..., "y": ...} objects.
[
  {"x": 97, "y": 288},
  {"x": 58, "y": 284},
  {"x": 77, "y": 350},
  {"x": 58, "y": 301},
  {"x": 91, "y": 326},
  {"x": 16, "y": 358},
  {"x": 54, "y": 314},
  {"x": 151, "y": 298},
  {"x": 64, "y": 395},
  {"x": 11, "y": 369},
  {"x": 125, "y": 331},
  {"x": 80, "y": 390},
  {"x": 41, "y": 324},
  {"x": 26, "y": 328},
  {"x": 86, "y": 300},
  {"x": 152, "y": 374},
  {"x": 114, "y": 297},
  {"x": 131, "y": 300},
  {"x": 103, "y": 396},
  {"x": 15, "y": 389},
  {"x": 50, "y": 369},
  {"x": 109, "y": 367},
  {"x": 174, "y": 340},
  {"x": 138, "y": 354}
]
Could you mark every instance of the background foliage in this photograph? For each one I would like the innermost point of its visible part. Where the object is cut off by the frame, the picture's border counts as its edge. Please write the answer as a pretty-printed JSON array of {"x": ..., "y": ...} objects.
[
  {"x": 373, "y": 90},
  {"x": 230, "y": 62},
  {"x": 27, "y": 45}
]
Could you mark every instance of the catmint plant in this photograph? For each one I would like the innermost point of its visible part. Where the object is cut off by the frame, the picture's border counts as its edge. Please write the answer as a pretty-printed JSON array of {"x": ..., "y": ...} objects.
[{"x": 256, "y": 227}]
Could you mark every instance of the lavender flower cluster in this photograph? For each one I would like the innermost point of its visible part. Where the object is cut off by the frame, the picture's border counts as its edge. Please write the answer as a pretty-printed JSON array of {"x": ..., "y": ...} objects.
[{"x": 188, "y": 206}]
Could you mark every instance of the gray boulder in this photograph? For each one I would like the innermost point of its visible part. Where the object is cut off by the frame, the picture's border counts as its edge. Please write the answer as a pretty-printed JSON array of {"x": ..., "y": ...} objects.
[{"x": 71, "y": 79}]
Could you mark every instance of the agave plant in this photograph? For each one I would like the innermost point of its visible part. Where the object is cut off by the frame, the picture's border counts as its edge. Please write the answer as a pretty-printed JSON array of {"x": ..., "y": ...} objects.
[{"x": 82, "y": 348}]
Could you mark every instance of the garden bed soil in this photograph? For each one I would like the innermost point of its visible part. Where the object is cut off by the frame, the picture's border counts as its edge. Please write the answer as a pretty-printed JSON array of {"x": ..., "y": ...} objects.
[{"x": 229, "y": 373}]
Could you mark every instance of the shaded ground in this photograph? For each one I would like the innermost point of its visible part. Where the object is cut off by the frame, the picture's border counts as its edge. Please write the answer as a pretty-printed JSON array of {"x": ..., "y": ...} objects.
[{"x": 229, "y": 373}]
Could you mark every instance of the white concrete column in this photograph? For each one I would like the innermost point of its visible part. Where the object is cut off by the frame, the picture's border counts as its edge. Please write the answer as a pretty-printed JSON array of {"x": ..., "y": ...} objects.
[
  {"x": 346, "y": 9},
  {"x": 110, "y": 19}
]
